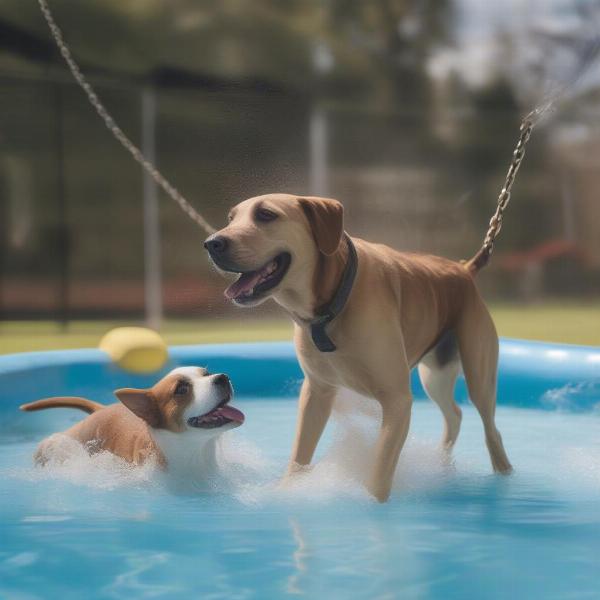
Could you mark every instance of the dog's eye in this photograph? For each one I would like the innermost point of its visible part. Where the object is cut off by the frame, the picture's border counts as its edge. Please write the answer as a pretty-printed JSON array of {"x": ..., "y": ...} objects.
[
  {"x": 264, "y": 215},
  {"x": 182, "y": 388}
]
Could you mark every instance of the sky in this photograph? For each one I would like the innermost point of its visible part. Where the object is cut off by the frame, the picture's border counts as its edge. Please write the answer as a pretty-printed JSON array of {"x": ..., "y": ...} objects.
[{"x": 546, "y": 38}]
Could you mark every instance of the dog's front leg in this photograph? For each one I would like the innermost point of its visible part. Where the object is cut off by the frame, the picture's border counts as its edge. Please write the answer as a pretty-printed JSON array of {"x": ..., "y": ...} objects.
[
  {"x": 314, "y": 409},
  {"x": 394, "y": 429}
]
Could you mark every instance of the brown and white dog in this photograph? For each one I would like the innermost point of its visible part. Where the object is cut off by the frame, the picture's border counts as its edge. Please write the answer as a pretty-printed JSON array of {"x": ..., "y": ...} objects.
[
  {"x": 400, "y": 310},
  {"x": 170, "y": 422}
]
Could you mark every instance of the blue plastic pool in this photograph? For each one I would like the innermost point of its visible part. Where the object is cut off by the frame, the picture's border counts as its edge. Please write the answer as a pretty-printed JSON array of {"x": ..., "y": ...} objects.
[{"x": 94, "y": 528}]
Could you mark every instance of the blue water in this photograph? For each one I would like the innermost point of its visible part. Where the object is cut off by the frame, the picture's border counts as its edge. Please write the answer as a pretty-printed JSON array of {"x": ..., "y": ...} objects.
[{"x": 95, "y": 528}]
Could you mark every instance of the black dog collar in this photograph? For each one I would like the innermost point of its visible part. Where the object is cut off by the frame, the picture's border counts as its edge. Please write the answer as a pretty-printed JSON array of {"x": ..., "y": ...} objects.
[{"x": 330, "y": 311}]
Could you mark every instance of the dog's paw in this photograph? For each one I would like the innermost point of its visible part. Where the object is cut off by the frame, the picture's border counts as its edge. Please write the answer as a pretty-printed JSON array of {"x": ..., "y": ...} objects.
[
  {"x": 293, "y": 471},
  {"x": 379, "y": 491},
  {"x": 295, "y": 468}
]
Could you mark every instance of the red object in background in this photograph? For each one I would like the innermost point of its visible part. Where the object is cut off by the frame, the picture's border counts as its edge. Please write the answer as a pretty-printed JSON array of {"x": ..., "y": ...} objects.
[
  {"x": 541, "y": 254},
  {"x": 183, "y": 295}
]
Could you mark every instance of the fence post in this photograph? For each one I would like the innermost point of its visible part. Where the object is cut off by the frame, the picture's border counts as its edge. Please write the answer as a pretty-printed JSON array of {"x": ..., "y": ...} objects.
[
  {"x": 62, "y": 227},
  {"x": 318, "y": 142},
  {"x": 323, "y": 63},
  {"x": 152, "y": 258}
]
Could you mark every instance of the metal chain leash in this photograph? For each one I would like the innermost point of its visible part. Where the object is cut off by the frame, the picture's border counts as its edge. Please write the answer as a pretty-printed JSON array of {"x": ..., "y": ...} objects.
[
  {"x": 117, "y": 132},
  {"x": 495, "y": 224},
  {"x": 589, "y": 56}
]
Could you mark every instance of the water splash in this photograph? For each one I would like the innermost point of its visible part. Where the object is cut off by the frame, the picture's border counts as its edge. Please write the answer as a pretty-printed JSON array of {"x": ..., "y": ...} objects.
[
  {"x": 70, "y": 461},
  {"x": 247, "y": 474},
  {"x": 572, "y": 397},
  {"x": 344, "y": 469}
]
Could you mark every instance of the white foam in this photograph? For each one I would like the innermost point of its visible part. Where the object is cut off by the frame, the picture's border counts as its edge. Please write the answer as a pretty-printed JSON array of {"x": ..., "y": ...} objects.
[
  {"x": 566, "y": 397},
  {"x": 244, "y": 471},
  {"x": 70, "y": 461},
  {"x": 344, "y": 469},
  {"x": 238, "y": 463},
  {"x": 253, "y": 476}
]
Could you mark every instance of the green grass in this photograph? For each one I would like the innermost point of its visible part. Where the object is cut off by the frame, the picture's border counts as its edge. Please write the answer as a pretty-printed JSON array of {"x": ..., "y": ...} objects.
[
  {"x": 24, "y": 336},
  {"x": 566, "y": 322}
]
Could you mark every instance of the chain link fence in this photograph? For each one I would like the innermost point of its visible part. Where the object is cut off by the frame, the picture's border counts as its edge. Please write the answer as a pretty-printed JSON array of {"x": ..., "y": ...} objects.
[{"x": 71, "y": 214}]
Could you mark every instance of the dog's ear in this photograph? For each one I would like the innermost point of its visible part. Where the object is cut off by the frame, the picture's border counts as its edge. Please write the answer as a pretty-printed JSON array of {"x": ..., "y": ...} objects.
[
  {"x": 326, "y": 219},
  {"x": 142, "y": 404}
]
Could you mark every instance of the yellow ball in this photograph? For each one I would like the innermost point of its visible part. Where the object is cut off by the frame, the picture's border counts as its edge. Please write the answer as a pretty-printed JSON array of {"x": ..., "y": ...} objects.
[{"x": 135, "y": 349}]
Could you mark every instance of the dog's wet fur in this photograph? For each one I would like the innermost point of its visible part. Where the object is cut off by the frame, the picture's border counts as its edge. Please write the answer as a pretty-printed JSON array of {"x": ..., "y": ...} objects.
[
  {"x": 404, "y": 310},
  {"x": 173, "y": 419}
]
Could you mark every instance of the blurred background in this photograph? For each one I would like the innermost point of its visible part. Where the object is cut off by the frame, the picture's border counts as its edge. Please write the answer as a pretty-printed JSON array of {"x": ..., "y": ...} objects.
[{"x": 405, "y": 110}]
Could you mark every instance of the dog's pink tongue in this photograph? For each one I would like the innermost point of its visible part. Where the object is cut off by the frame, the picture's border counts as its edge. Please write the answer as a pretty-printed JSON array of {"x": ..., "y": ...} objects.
[
  {"x": 244, "y": 284},
  {"x": 232, "y": 413}
]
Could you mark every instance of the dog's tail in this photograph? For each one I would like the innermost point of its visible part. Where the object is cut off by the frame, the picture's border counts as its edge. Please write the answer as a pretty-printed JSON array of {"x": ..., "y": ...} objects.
[
  {"x": 480, "y": 260},
  {"x": 83, "y": 404}
]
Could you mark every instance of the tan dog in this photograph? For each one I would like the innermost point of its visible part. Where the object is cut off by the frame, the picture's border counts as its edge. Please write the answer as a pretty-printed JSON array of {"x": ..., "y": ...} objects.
[
  {"x": 171, "y": 422},
  {"x": 398, "y": 311}
]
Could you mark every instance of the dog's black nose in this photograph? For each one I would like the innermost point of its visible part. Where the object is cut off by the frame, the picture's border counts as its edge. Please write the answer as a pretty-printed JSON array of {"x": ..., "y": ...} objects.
[
  {"x": 216, "y": 244},
  {"x": 222, "y": 380}
]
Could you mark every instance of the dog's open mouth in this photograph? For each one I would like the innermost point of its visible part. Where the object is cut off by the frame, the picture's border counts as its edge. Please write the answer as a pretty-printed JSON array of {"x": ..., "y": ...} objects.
[
  {"x": 218, "y": 416},
  {"x": 251, "y": 285}
]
